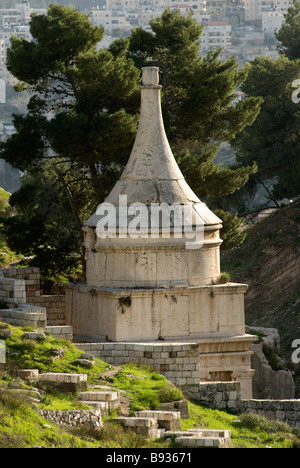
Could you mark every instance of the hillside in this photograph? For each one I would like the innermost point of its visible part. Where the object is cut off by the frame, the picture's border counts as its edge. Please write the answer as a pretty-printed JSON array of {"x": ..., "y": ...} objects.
[
  {"x": 21, "y": 426},
  {"x": 269, "y": 262}
]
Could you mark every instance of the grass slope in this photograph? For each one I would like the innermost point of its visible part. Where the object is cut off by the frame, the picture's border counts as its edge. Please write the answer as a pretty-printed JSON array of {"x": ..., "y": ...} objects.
[{"x": 22, "y": 427}]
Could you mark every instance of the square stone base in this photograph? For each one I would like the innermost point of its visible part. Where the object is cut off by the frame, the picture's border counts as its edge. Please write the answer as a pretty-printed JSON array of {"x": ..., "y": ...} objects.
[
  {"x": 102, "y": 314},
  {"x": 210, "y": 317}
]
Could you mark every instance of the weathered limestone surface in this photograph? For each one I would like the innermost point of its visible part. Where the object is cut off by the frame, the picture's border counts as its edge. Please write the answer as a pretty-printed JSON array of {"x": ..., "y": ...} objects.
[
  {"x": 269, "y": 383},
  {"x": 152, "y": 314},
  {"x": 142, "y": 425},
  {"x": 169, "y": 420},
  {"x": 66, "y": 383},
  {"x": 201, "y": 438}
]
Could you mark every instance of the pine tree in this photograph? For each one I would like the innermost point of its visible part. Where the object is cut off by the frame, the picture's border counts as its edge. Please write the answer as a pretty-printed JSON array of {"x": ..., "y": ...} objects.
[
  {"x": 80, "y": 125},
  {"x": 273, "y": 141},
  {"x": 199, "y": 103},
  {"x": 81, "y": 99},
  {"x": 83, "y": 113}
]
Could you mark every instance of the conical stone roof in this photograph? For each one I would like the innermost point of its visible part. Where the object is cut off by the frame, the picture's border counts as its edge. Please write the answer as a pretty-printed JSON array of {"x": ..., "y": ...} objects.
[{"x": 152, "y": 175}]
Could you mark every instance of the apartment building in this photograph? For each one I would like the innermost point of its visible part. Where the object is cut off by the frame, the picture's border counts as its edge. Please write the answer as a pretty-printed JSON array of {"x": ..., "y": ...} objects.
[
  {"x": 111, "y": 20},
  {"x": 142, "y": 5},
  {"x": 254, "y": 9},
  {"x": 215, "y": 34},
  {"x": 19, "y": 15},
  {"x": 271, "y": 21}
]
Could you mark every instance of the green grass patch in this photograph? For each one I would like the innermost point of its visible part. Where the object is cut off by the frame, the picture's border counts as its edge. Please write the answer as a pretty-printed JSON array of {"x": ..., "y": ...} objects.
[
  {"x": 42, "y": 354},
  {"x": 146, "y": 388},
  {"x": 247, "y": 430},
  {"x": 22, "y": 427}
]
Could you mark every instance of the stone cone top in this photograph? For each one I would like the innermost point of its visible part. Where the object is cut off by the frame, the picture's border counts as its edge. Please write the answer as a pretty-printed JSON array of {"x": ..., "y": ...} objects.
[{"x": 152, "y": 174}]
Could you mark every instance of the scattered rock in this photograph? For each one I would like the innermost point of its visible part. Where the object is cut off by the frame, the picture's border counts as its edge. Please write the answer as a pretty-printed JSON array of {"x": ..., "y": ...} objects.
[
  {"x": 74, "y": 418},
  {"x": 58, "y": 353},
  {"x": 87, "y": 356},
  {"x": 84, "y": 363},
  {"x": 272, "y": 379},
  {"x": 4, "y": 334},
  {"x": 34, "y": 335}
]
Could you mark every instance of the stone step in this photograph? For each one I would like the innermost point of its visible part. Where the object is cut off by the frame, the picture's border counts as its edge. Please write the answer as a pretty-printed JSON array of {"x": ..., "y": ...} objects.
[
  {"x": 145, "y": 426},
  {"x": 169, "y": 420},
  {"x": 60, "y": 331},
  {"x": 201, "y": 438},
  {"x": 68, "y": 383},
  {"x": 25, "y": 316},
  {"x": 110, "y": 397},
  {"x": 102, "y": 406}
]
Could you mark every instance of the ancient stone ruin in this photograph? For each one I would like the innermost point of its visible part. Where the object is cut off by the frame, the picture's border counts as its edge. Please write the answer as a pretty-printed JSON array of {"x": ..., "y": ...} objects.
[{"x": 159, "y": 283}]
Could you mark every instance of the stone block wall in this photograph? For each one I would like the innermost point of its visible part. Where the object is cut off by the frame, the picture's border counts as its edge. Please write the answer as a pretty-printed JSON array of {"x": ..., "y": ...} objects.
[
  {"x": 24, "y": 316},
  {"x": 68, "y": 383},
  {"x": 178, "y": 362},
  {"x": 22, "y": 285},
  {"x": 56, "y": 308},
  {"x": 64, "y": 332},
  {"x": 30, "y": 275},
  {"x": 217, "y": 395},
  {"x": 287, "y": 411},
  {"x": 227, "y": 395},
  {"x": 12, "y": 291},
  {"x": 76, "y": 418}
]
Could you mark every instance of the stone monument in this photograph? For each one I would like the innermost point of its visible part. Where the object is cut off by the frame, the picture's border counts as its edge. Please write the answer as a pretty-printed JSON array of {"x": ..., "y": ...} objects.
[{"x": 153, "y": 261}]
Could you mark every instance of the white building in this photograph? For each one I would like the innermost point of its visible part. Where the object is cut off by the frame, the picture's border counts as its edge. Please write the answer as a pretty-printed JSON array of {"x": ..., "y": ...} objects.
[
  {"x": 142, "y": 5},
  {"x": 21, "y": 14},
  {"x": 2, "y": 92},
  {"x": 14, "y": 22},
  {"x": 272, "y": 21},
  {"x": 111, "y": 20},
  {"x": 215, "y": 34},
  {"x": 254, "y": 9}
]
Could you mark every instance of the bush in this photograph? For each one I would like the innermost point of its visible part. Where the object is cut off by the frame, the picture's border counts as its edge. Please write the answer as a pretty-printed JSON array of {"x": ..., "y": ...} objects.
[
  {"x": 168, "y": 394},
  {"x": 112, "y": 435},
  {"x": 256, "y": 422}
]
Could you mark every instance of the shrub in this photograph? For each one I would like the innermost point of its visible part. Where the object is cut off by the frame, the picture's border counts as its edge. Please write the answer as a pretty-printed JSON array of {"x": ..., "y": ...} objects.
[
  {"x": 224, "y": 278},
  {"x": 256, "y": 422},
  {"x": 169, "y": 393}
]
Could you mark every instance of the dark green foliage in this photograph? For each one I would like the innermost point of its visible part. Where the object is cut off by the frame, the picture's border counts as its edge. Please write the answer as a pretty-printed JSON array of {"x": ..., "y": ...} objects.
[
  {"x": 198, "y": 94},
  {"x": 82, "y": 119},
  {"x": 45, "y": 227},
  {"x": 87, "y": 94},
  {"x": 273, "y": 139},
  {"x": 74, "y": 139},
  {"x": 199, "y": 107}
]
